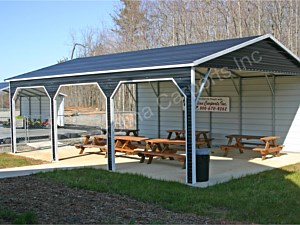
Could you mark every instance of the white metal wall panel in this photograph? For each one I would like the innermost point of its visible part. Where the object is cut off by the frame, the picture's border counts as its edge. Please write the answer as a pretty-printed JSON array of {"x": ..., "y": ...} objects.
[
  {"x": 256, "y": 107},
  {"x": 288, "y": 112},
  {"x": 147, "y": 110},
  {"x": 256, "y": 110},
  {"x": 24, "y": 106},
  {"x": 35, "y": 108},
  {"x": 224, "y": 123},
  {"x": 171, "y": 113},
  {"x": 45, "y": 106}
]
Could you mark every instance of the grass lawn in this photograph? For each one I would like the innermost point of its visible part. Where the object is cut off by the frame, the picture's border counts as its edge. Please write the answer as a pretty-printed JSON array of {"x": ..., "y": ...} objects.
[
  {"x": 8, "y": 161},
  {"x": 15, "y": 218},
  {"x": 268, "y": 197}
]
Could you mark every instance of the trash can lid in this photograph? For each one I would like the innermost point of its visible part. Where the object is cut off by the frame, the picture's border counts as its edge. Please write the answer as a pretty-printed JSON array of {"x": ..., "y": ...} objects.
[{"x": 202, "y": 151}]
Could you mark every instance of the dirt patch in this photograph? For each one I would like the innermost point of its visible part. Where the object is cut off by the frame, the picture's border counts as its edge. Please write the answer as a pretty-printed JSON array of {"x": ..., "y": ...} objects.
[{"x": 55, "y": 203}]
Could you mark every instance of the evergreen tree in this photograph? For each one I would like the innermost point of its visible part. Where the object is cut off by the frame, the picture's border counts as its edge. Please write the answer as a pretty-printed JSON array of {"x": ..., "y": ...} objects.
[{"x": 131, "y": 25}]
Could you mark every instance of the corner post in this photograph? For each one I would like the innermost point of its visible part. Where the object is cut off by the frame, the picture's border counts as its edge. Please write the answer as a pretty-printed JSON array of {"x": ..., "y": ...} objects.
[
  {"x": 51, "y": 92},
  {"x": 13, "y": 130},
  {"x": 191, "y": 129},
  {"x": 109, "y": 89},
  {"x": 186, "y": 85}
]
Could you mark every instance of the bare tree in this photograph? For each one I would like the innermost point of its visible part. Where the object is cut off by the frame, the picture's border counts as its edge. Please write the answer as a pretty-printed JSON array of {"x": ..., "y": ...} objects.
[{"x": 143, "y": 24}]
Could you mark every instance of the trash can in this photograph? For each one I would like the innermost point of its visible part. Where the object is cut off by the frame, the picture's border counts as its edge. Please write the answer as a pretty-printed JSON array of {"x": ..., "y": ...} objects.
[{"x": 202, "y": 165}]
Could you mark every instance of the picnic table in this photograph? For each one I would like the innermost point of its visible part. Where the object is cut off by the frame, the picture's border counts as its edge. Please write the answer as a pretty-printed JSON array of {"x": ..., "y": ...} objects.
[
  {"x": 122, "y": 143},
  {"x": 129, "y": 144},
  {"x": 127, "y": 131},
  {"x": 99, "y": 140},
  {"x": 95, "y": 143},
  {"x": 263, "y": 144},
  {"x": 200, "y": 140},
  {"x": 162, "y": 147}
]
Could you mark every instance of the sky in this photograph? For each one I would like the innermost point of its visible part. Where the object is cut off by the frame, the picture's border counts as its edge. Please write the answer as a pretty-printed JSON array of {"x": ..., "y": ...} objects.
[{"x": 36, "y": 34}]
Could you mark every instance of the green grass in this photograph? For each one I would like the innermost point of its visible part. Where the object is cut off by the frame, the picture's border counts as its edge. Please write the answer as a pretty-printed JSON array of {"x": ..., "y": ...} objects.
[
  {"x": 8, "y": 161},
  {"x": 9, "y": 216},
  {"x": 268, "y": 197}
]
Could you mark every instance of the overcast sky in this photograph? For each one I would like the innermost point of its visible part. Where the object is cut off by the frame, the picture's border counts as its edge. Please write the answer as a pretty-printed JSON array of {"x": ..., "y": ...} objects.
[{"x": 36, "y": 34}]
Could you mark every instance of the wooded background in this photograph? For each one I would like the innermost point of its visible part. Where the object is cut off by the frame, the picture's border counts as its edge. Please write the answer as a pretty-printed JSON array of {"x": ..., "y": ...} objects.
[{"x": 145, "y": 24}]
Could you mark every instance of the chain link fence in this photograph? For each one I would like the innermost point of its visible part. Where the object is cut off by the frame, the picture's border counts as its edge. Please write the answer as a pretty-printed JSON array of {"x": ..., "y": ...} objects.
[
  {"x": 34, "y": 132},
  {"x": 98, "y": 119}
]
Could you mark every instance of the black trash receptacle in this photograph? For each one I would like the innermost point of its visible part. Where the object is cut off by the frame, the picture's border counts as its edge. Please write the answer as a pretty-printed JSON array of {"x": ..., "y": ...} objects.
[{"x": 202, "y": 165}]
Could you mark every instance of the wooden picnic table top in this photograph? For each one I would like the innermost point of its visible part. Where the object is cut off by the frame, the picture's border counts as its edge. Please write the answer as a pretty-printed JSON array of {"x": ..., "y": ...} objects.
[
  {"x": 259, "y": 137},
  {"x": 166, "y": 141},
  {"x": 240, "y": 136},
  {"x": 124, "y": 138},
  {"x": 183, "y": 131},
  {"x": 270, "y": 138},
  {"x": 131, "y": 138}
]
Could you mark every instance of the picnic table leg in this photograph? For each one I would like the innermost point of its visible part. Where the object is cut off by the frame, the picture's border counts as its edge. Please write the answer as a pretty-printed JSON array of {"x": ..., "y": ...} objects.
[
  {"x": 274, "y": 144},
  {"x": 206, "y": 140},
  {"x": 170, "y": 135},
  {"x": 184, "y": 165},
  {"x": 161, "y": 149},
  {"x": 86, "y": 141},
  {"x": 166, "y": 148},
  {"x": 277, "y": 154},
  {"x": 81, "y": 149},
  {"x": 239, "y": 144},
  {"x": 142, "y": 158},
  {"x": 150, "y": 159},
  {"x": 147, "y": 148},
  {"x": 263, "y": 155},
  {"x": 226, "y": 149},
  {"x": 177, "y": 135}
]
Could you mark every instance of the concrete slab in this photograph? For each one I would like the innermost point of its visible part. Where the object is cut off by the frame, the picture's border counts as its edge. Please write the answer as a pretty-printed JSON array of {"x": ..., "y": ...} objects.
[
  {"x": 222, "y": 169},
  {"x": 42, "y": 144}
]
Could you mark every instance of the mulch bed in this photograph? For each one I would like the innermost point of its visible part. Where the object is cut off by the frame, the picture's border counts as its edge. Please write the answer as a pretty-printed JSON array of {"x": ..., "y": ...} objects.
[{"x": 55, "y": 203}]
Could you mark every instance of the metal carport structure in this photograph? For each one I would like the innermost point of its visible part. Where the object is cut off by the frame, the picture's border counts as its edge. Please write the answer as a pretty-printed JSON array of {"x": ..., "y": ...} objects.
[{"x": 179, "y": 64}]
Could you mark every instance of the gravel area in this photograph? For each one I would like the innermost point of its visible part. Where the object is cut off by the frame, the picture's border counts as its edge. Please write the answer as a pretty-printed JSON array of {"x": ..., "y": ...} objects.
[{"x": 55, "y": 203}]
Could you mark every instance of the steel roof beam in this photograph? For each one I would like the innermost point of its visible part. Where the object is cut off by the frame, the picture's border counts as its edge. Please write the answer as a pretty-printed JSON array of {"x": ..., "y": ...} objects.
[{"x": 202, "y": 84}]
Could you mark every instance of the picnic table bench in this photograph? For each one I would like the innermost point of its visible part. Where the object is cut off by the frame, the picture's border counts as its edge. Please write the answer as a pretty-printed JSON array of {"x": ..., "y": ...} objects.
[
  {"x": 164, "y": 148},
  {"x": 263, "y": 144},
  {"x": 150, "y": 155}
]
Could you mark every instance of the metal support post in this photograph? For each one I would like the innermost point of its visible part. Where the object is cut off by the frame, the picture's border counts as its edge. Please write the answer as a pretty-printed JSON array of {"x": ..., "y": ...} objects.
[
  {"x": 202, "y": 85},
  {"x": 193, "y": 119}
]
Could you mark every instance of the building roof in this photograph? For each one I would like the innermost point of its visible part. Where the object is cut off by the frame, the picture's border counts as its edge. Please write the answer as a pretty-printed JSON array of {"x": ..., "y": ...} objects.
[
  {"x": 174, "y": 57},
  {"x": 4, "y": 86}
]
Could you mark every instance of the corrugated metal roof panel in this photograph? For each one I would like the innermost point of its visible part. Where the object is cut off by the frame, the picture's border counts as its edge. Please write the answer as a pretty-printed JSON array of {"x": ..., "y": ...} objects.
[
  {"x": 176, "y": 55},
  {"x": 32, "y": 92},
  {"x": 233, "y": 54},
  {"x": 264, "y": 56}
]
